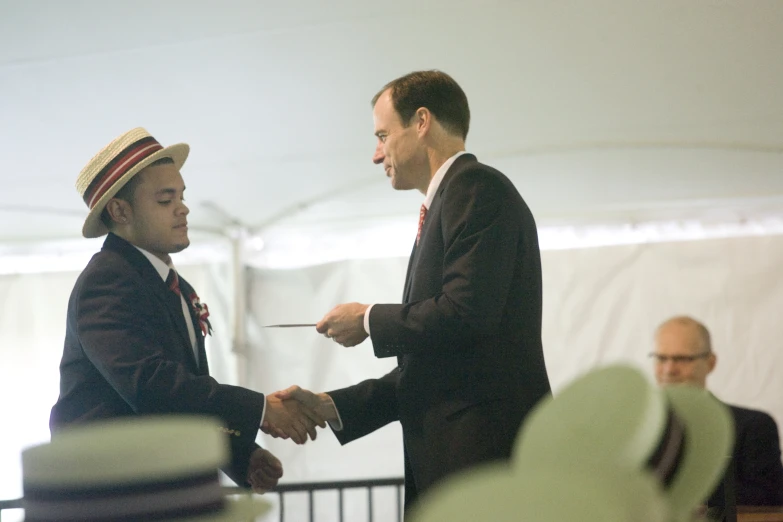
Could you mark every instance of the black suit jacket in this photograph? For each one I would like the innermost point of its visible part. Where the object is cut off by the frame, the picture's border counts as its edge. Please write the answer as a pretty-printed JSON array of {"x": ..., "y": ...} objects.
[
  {"x": 127, "y": 352},
  {"x": 758, "y": 473},
  {"x": 467, "y": 335}
]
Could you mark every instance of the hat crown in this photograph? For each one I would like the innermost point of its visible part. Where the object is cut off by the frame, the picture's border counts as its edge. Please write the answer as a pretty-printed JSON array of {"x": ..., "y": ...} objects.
[
  {"x": 126, "y": 451},
  {"x": 150, "y": 468},
  {"x": 612, "y": 413},
  {"x": 98, "y": 162}
]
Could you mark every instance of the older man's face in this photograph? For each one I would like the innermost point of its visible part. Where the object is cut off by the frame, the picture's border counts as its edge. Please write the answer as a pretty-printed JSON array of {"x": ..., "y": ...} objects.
[{"x": 680, "y": 358}]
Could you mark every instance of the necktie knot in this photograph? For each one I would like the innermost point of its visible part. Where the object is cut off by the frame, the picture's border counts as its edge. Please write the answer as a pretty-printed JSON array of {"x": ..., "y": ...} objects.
[
  {"x": 422, "y": 216},
  {"x": 172, "y": 281}
]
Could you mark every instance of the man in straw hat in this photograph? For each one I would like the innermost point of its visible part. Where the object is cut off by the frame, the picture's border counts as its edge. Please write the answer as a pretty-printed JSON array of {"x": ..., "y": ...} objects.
[
  {"x": 133, "y": 469},
  {"x": 134, "y": 342},
  {"x": 683, "y": 355}
]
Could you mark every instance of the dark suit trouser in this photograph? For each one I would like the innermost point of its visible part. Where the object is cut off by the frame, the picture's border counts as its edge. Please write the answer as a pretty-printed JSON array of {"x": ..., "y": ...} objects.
[{"x": 480, "y": 433}]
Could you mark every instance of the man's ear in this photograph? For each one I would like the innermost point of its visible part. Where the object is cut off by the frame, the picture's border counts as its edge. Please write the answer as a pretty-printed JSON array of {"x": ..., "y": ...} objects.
[
  {"x": 712, "y": 360},
  {"x": 423, "y": 120},
  {"x": 119, "y": 211}
]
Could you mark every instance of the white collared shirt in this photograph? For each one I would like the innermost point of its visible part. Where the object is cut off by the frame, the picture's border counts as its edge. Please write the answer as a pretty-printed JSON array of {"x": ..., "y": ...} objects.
[
  {"x": 432, "y": 189},
  {"x": 163, "y": 270}
]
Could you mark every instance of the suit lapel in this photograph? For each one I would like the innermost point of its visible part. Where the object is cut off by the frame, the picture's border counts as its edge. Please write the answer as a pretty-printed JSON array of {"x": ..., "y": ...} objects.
[
  {"x": 188, "y": 291},
  {"x": 408, "y": 276},
  {"x": 174, "y": 307},
  {"x": 460, "y": 163},
  {"x": 170, "y": 300}
]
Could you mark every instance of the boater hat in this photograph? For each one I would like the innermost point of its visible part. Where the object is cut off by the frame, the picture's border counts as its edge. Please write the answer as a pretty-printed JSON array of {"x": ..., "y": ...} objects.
[
  {"x": 614, "y": 416},
  {"x": 556, "y": 493},
  {"x": 109, "y": 170},
  {"x": 162, "y": 468}
]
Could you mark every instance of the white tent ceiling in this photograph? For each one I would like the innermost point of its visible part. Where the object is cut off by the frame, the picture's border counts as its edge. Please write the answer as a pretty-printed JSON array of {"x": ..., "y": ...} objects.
[{"x": 603, "y": 111}]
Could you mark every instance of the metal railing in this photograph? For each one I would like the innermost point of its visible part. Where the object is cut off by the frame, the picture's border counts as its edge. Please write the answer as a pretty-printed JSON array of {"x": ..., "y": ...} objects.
[
  {"x": 10, "y": 504},
  {"x": 302, "y": 487},
  {"x": 340, "y": 486}
]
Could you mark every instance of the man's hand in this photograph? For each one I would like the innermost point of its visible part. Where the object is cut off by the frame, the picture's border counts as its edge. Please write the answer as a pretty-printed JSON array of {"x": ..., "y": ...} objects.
[
  {"x": 345, "y": 324},
  {"x": 264, "y": 471},
  {"x": 290, "y": 418}
]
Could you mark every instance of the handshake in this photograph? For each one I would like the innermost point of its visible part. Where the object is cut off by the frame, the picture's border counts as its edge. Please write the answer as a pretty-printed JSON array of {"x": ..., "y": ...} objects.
[{"x": 294, "y": 413}]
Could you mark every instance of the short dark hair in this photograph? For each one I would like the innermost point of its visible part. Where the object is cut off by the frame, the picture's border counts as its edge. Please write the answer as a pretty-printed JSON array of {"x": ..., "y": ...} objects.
[
  {"x": 435, "y": 90},
  {"x": 128, "y": 191}
]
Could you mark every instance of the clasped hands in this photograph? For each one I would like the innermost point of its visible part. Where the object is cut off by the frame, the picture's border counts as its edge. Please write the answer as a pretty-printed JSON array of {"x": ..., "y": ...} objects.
[
  {"x": 291, "y": 413},
  {"x": 295, "y": 412}
]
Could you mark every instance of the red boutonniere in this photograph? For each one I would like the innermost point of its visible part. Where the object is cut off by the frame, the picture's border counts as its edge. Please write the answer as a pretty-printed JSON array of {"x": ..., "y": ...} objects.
[{"x": 202, "y": 312}]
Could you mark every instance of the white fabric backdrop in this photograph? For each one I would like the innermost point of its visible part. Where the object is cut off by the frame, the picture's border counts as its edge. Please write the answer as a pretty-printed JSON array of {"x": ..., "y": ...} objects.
[
  {"x": 600, "y": 305},
  {"x": 282, "y": 357}
]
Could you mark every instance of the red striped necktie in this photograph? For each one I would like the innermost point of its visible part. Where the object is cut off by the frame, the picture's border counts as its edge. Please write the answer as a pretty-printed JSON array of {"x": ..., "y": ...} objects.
[
  {"x": 422, "y": 216},
  {"x": 172, "y": 281}
]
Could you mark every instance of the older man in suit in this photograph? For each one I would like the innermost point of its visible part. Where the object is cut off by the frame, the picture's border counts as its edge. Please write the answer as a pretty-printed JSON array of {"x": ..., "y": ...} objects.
[
  {"x": 683, "y": 355},
  {"x": 467, "y": 335},
  {"x": 135, "y": 331}
]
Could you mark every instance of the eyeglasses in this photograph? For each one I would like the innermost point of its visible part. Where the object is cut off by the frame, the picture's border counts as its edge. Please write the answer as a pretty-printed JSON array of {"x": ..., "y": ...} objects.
[{"x": 677, "y": 359}]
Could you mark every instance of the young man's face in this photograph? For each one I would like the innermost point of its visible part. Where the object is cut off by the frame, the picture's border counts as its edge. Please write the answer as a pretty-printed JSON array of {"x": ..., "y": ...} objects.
[{"x": 158, "y": 218}]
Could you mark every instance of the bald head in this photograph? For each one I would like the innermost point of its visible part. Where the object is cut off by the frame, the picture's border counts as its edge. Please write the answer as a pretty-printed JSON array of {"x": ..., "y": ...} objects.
[{"x": 683, "y": 352}]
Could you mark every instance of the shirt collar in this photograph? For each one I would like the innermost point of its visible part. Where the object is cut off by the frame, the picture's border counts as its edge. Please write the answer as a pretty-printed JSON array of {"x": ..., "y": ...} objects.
[
  {"x": 438, "y": 177},
  {"x": 160, "y": 266}
]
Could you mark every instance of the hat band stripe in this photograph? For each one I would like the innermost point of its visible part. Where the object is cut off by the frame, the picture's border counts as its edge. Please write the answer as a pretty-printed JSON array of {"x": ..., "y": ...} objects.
[
  {"x": 670, "y": 451},
  {"x": 124, "y": 163},
  {"x": 87, "y": 492},
  {"x": 120, "y": 505}
]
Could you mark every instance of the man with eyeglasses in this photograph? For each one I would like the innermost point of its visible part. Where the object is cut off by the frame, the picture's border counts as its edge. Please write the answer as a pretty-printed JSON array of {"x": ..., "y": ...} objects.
[{"x": 683, "y": 355}]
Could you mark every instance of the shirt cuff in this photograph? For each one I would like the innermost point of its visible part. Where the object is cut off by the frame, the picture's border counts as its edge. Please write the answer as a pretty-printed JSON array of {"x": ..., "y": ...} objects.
[
  {"x": 263, "y": 412},
  {"x": 338, "y": 424},
  {"x": 366, "y": 324}
]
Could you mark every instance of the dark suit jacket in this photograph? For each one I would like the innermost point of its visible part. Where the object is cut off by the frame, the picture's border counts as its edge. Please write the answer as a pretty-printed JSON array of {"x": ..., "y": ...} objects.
[
  {"x": 758, "y": 473},
  {"x": 127, "y": 352},
  {"x": 467, "y": 335}
]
